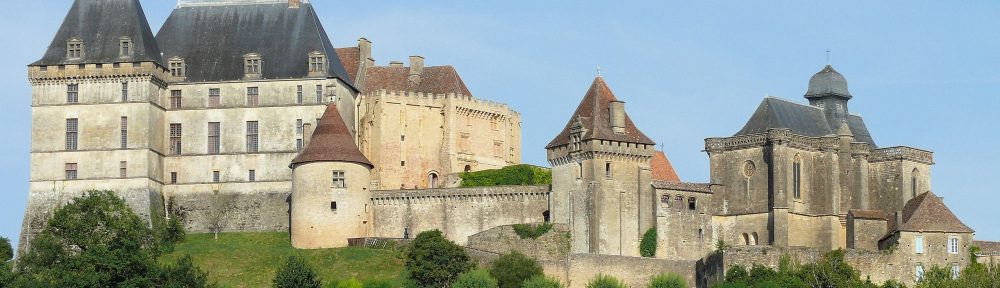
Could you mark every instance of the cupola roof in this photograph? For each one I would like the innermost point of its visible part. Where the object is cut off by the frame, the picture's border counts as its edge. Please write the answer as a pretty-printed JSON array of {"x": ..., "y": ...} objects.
[{"x": 828, "y": 82}]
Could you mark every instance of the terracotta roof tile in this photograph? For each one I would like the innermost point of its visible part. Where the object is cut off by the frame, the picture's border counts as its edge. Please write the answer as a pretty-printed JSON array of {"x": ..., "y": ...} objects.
[
  {"x": 927, "y": 213},
  {"x": 987, "y": 247},
  {"x": 350, "y": 57},
  {"x": 593, "y": 113},
  {"x": 662, "y": 170},
  {"x": 433, "y": 79},
  {"x": 331, "y": 141}
]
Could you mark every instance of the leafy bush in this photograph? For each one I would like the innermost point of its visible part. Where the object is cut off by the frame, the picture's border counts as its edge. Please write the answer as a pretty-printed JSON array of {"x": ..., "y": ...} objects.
[
  {"x": 377, "y": 284},
  {"x": 668, "y": 280},
  {"x": 353, "y": 283},
  {"x": 529, "y": 231},
  {"x": 433, "y": 261},
  {"x": 647, "y": 246},
  {"x": 511, "y": 175},
  {"x": 512, "y": 269},
  {"x": 476, "y": 278},
  {"x": 541, "y": 281},
  {"x": 296, "y": 273},
  {"x": 6, "y": 251},
  {"x": 183, "y": 275},
  {"x": 605, "y": 281}
]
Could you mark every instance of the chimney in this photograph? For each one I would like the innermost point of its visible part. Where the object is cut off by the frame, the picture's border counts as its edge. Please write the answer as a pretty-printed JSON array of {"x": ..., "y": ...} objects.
[
  {"x": 899, "y": 220},
  {"x": 617, "y": 111},
  {"x": 416, "y": 67},
  {"x": 395, "y": 64},
  {"x": 294, "y": 3},
  {"x": 366, "y": 49}
]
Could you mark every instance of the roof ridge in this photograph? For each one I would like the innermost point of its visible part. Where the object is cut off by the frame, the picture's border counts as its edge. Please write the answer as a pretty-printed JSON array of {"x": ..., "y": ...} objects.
[{"x": 793, "y": 102}]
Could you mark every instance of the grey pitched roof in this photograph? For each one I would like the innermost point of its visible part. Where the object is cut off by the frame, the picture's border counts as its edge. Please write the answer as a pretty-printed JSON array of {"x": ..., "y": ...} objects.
[
  {"x": 101, "y": 24},
  {"x": 213, "y": 36},
  {"x": 802, "y": 119},
  {"x": 828, "y": 82}
]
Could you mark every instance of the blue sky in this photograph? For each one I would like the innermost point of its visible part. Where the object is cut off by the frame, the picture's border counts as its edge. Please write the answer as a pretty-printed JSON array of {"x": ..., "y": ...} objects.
[{"x": 923, "y": 73}]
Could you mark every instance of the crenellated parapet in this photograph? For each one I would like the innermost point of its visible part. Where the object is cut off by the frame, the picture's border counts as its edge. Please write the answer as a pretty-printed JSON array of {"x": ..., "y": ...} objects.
[
  {"x": 902, "y": 153},
  {"x": 57, "y": 74},
  {"x": 464, "y": 104},
  {"x": 601, "y": 149},
  {"x": 783, "y": 136},
  {"x": 458, "y": 195}
]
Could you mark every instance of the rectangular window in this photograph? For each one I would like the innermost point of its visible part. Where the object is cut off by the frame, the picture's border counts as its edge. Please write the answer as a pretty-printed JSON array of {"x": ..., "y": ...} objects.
[
  {"x": 70, "y": 171},
  {"x": 214, "y": 96},
  {"x": 333, "y": 206},
  {"x": 319, "y": 93},
  {"x": 173, "y": 177},
  {"x": 74, "y": 49},
  {"x": 402, "y": 163},
  {"x": 253, "y": 66},
  {"x": 955, "y": 271},
  {"x": 175, "y": 138},
  {"x": 124, "y": 91},
  {"x": 953, "y": 245},
  {"x": 72, "y": 131},
  {"x": 126, "y": 48},
  {"x": 298, "y": 94},
  {"x": 918, "y": 244},
  {"x": 316, "y": 63},
  {"x": 215, "y": 176},
  {"x": 214, "y": 144},
  {"x": 177, "y": 68},
  {"x": 607, "y": 169},
  {"x": 339, "y": 181},
  {"x": 252, "y": 96},
  {"x": 253, "y": 175},
  {"x": 252, "y": 136},
  {"x": 298, "y": 127},
  {"x": 123, "y": 169},
  {"x": 175, "y": 99},
  {"x": 919, "y": 272},
  {"x": 73, "y": 93},
  {"x": 299, "y": 144},
  {"x": 124, "y": 133}
]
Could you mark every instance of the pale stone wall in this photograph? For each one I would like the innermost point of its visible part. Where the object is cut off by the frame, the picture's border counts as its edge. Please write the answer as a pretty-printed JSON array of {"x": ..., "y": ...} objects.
[
  {"x": 634, "y": 271},
  {"x": 683, "y": 233},
  {"x": 823, "y": 232},
  {"x": 865, "y": 233},
  {"x": 551, "y": 246},
  {"x": 730, "y": 229},
  {"x": 315, "y": 224},
  {"x": 245, "y": 206}
]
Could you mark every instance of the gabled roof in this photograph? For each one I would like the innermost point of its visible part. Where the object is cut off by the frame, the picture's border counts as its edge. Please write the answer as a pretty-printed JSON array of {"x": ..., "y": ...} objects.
[
  {"x": 433, "y": 79},
  {"x": 331, "y": 141},
  {"x": 350, "y": 57},
  {"x": 213, "y": 36},
  {"x": 802, "y": 119},
  {"x": 101, "y": 24},
  {"x": 595, "y": 117},
  {"x": 662, "y": 169},
  {"x": 927, "y": 213}
]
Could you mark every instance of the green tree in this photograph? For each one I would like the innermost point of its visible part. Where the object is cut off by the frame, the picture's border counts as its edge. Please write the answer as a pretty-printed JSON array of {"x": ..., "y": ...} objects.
[
  {"x": 512, "y": 269},
  {"x": 6, "y": 251},
  {"x": 93, "y": 241},
  {"x": 183, "y": 275},
  {"x": 433, "y": 261},
  {"x": 647, "y": 246},
  {"x": 541, "y": 281},
  {"x": 475, "y": 278},
  {"x": 605, "y": 281},
  {"x": 296, "y": 273},
  {"x": 668, "y": 280}
]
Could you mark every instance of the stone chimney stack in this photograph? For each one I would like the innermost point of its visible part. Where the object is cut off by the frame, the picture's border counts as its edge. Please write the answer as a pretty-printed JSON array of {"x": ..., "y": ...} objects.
[
  {"x": 366, "y": 49},
  {"x": 416, "y": 68},
  {"x": 294, "y": 3},
  {"x": 617, "y": 110},
  {"x": 395, "y": 64}
]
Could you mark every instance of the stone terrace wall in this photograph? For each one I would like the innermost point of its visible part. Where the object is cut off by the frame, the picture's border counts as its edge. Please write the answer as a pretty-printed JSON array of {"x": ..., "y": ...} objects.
[
  {"x": 457, "y": 212},
  {"x": 877, "y": 265},
  {"x": 578, "y": 269},
  {"x": 553, "y": 245},
  {"x": 246, "y": 211}
]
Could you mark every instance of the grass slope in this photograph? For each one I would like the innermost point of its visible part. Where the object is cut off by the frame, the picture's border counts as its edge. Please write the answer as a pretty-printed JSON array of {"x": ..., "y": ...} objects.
[{"x": 252, "y": 259}]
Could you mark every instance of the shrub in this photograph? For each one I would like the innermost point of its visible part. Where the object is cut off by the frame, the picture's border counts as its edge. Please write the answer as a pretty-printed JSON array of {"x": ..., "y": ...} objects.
[
  {"x": 737, "y": 274},
  {"x": 512, "y": 269},
  {"x": 183, "y": 275},
  {"x": 476, "y": 278},
  {"x": 511, "y": 175},
  {"x": 433, "y": 261},
  {"x": 668, "y": 280},
  {"x": 647, "y": 246},
  {"x": 353, "y": 283},
  {"x": 541, "y": 281},
  {"x": 6, "y": 251},
  {"x": 377, "y": 284},
  {"x": 605, "y": 281},
  {"x": 529, "y": 231},
  {"x": 296, "y": 273}
]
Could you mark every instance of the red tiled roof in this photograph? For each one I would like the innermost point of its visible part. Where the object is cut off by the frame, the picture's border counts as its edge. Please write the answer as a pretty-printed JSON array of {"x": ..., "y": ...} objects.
[
  {"x": 662, "y": 170},
  {"x": 331, "y": 141},
  {"x": 350, "y": 57},
  {"x": 594, "y": 115},
  {"x": 434, "y": 79},
  {"x": 927, "y": 213}
]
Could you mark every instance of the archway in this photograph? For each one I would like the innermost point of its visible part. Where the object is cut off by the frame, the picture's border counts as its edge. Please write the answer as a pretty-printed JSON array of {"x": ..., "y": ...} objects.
[
  {"x": 753, "y": 238},
  {"x": 468, "y": 168},
  {"x": 432, "y": 180},
  {"x": 746, "y": 239}
]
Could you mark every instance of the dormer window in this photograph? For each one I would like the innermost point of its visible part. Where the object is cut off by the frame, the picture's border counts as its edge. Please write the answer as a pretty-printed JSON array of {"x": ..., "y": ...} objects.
[
  {"x": 125, "y": 47},
  {"x": 252, "y": 65},
  {"x": 317, "y": 62},
  {"x": 176, "y": 67},
  {"x": 74, "y": 49}
]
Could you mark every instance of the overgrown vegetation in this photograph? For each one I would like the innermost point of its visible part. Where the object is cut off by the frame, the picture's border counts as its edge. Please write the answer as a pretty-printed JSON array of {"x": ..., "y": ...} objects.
[
  {"x": 668, "y": 280},
  {"x": 647, "y": 246},
  {"x": 475, "y": 278},
  {"x": 531, "y": 231},
  {"x": 296, "y": 273},
  {"x": 542, "y": 281},
  {"x": 605, "y": 281},
  {"x": 510, "y": 270},
  {"x": 434, "y": 261},
  {"x": 511, "y": 175},
  {"x": 974, "y": 275}
]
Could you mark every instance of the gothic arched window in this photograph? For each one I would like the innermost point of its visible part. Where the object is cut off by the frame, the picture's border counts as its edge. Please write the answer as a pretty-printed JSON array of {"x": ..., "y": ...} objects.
[
  {"x": 913, "y": 182},
  {"x": 797, "y": 177}
]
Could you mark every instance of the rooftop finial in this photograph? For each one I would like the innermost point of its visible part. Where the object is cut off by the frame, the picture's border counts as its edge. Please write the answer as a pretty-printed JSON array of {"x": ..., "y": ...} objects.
[
  {"x": 827, "y": 56},
  {"x": 599, "y": 71}
]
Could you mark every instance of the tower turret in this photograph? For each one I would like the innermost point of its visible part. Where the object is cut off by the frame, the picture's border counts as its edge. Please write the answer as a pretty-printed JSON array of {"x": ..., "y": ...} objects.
[{"x": 828, "y": 90}]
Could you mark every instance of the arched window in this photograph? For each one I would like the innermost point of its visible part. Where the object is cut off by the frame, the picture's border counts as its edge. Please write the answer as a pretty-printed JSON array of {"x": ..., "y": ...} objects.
[
  {"x": 749, "y": 169},
  {"x": 753, "y": 238},
  {"x": 692, "y": 203},
  {"x": 746, "y": 239},
  {"x": 468, "y": 168},
  {"x": 432, "y": 180},
  {"x": 701, "y": 235},
  {"x": 797, "y": 177},
  {"x": 913, "y": 182}
]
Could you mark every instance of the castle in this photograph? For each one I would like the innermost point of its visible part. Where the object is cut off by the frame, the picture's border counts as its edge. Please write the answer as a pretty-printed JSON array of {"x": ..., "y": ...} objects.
[{"x": 240, "y": 115}]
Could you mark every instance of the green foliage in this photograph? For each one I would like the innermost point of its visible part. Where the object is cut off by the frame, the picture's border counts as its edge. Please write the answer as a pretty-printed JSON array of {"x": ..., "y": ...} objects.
[
  {"x": 530, "y": 231},
  {"x": 183, "y": 275},
  {"x": 353, "y": 283},
  {"x": 892, "y": 284},
  {"x": 542, "y": 281},
  {"x": 434, "y": 261},
  {"x": 668, "y": 280},
  {"x": 93, "y": 241},
  {"x": 605, "y": 281},
  {"x": 974, "y": 275},
  {"x": 647, "y": 246},
  {"x": 7, "y": 276},
  {"x": 296, "y": 273},
  {"x": 377, "y": 284},
  {"x": 973, "y": 258},
  {"x": 510, "y": 270},
  {"x": 6, "y": 251},
  {"x": 476, "y": 278},
  {"x": 829, "y": 271},
  {"x": 721, "y": 246},
  {"x": 511, "y": 175}
]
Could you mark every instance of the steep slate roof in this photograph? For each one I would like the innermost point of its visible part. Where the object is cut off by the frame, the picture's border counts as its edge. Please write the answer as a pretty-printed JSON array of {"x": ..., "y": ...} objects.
[
  {"x": 350, "y": 57},
  {"x": 433, "y": 79},
  {"x": 802, "y": 119},
  {"x": 101, "y": 24},
  {"x": 331, "y": 141},
  {"x": 828, "y": 82},
  {"x": 213, "y": 36},
  {"x": 662, "y": 170},
  {"x": 593, "y": 113},
  {"x": 927, "y": 213}
]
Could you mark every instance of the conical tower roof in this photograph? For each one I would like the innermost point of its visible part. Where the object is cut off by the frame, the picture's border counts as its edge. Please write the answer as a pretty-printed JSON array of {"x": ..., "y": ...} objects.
[
  {"x": 101, "y": 25},
  {"x": 594, "y": 115},
  {"x": 662, "y": 169},
  {"x": 828, "y": 82},
  {"x": 331, "y": 142}
]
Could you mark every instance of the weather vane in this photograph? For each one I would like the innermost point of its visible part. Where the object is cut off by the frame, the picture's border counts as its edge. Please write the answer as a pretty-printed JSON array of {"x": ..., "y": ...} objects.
[{"x": 598, "y": 71}]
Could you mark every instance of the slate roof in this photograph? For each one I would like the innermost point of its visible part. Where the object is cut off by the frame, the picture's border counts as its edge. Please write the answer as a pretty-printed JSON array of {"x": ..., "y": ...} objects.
[
  {"x": 101, "y": 24},
  {"x": 593, "y": 113},
  {"x": 213, "y": 37},
  {"x": 927, "y": 213},
  {"x": 662, "y": 169},
  {"x": 433, "y": 79},
  {"x": 828, "y": 82},
  {"x": 331, "y": 141},
  {"x": 802, "y": 119}
]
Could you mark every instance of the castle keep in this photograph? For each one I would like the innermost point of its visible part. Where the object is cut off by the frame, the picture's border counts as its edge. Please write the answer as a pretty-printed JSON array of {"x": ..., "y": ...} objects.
[{"x": 241, "y": 115}]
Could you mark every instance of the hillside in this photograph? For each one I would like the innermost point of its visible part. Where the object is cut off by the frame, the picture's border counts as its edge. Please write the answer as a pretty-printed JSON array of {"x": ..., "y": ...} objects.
[{"x": 251, "y": 259}]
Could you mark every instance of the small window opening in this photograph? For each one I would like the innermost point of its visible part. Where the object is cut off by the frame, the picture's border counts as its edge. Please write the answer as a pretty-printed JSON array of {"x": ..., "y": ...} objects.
[
  {"x": 333, "y": 205},
  {"x": 607, "y": 169},
  {"x": 692, "y": 203}
]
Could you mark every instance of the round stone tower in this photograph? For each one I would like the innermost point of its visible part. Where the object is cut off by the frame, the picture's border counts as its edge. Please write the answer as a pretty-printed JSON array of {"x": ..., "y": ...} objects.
[{"x": 330, "y": 197}]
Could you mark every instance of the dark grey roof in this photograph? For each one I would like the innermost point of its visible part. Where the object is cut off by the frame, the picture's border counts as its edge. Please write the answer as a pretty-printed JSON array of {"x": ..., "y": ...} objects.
[
  {"x": 212, "y": 40},
  {"x": 802, "y": 119},
  {"x": 828, "y": 82},
  {"x": 101, "y": 24}
]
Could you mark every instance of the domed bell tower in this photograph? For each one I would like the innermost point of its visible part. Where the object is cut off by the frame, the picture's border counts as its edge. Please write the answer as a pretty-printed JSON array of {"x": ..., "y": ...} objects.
[{"x": 828, "y": 90}]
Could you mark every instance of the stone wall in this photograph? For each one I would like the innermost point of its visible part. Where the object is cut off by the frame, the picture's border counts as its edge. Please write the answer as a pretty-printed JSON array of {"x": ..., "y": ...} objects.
[
  {"x": 457, "y": 212},
  {"x": 579, "y": 269},
  {"x": 247, "y": 207},
  {"x": 551, "y": 246}
]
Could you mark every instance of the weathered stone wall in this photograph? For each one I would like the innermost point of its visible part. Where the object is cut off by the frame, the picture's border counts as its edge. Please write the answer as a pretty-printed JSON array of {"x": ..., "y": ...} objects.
[
  {"x": 246, "y": 207},
  {"x": 579, "y": 269},
  {"x": 682, "y": 232},
  {"x": 553, "y": 245},
  {"x": 457, "y": 212},
  {"x": 865, "y": 233},
  {"x": 325, "y": 216}
]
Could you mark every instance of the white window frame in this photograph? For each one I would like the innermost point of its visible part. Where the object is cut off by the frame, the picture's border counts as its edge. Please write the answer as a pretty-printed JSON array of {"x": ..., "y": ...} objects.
[
  {"x": 955, "y": 271},
  {"x": 918, "y": 244},
  {"x": 918, "y": 272},
  {"x": 953, "y": 244},
  {"x": 339, "y": 179}
]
